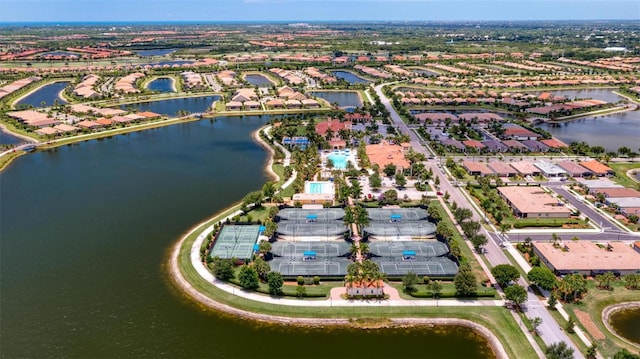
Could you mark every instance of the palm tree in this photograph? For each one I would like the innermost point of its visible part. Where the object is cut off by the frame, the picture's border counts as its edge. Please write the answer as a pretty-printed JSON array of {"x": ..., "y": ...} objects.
[
  {"x": 364, "y": 249},
  {"x": 356, "y": 190}
]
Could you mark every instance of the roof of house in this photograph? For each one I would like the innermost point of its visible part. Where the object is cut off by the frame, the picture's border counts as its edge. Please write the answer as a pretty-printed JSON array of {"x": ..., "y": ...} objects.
[
  {"x": 584, "y": 255},
  {"x": 385, "y": 153},
  {"x": 553, "y": 143},
  {"x": 572, "y": 167},
  {"x": 501, "y": 168},
  {"x": 532, "y": 199},
  {"x": 618, "y": 192},
  {"x": 524, "y": 167},
  {"x": 596, "y": 167},
  {"x": 473, "y": 143},
  {"x": 472, "y": 166},
  {"x": 549, "y": 167}
]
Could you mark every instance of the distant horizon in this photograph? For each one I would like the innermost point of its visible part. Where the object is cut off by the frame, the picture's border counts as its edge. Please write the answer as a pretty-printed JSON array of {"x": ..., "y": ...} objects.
[{"x": 222, "y": 11}]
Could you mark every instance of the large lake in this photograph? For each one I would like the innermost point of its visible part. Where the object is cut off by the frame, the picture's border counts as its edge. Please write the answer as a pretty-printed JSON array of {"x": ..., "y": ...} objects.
[
  {"x": 86, "y": 231},
  {"x": 172, "y": 106},
  {"x": 47, "y": 94},
  {"x": 610, "y": 131}
]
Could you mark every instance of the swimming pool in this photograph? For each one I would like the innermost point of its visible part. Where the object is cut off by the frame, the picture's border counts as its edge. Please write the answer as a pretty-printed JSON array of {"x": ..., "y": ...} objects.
[
  {"x": 319, "y": 188},
  {"x": 339, "y": 160}
]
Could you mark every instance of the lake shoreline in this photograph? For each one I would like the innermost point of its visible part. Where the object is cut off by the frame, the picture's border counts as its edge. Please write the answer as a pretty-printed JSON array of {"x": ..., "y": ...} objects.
[
  {"x": 179, "y": 280},
  {"x": 606, "y": 315},
  {"x": 187, "y": 288}
]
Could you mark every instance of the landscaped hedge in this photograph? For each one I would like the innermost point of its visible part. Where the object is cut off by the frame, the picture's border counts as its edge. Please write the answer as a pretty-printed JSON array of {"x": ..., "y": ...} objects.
[
  {"x": 289, "y": 291},
  {"x": 522, "y": 223},
  {"x": 481, "y": 293}
]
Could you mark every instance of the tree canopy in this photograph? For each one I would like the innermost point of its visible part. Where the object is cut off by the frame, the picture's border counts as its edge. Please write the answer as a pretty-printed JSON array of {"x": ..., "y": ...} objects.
[
  {"x": 505, "y": 273},
  {"x": 543, "y": 277}
]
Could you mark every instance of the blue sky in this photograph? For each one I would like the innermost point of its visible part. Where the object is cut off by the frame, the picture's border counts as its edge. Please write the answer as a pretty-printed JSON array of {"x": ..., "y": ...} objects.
[{"x": 314, "y": 10}]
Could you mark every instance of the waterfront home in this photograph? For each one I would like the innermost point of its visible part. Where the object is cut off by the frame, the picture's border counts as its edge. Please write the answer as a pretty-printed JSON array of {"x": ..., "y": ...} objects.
[
  {"x": 244, "y": 94},
  {"x": 47, "y": 131},
  {"x": 66, "y": 128},
  {"x": 554, "y": 144},
  {"x": 516, "y": 132},
  {"x": 16, "y": 85},
  {"x": 549, "y": 169},
  {"x": 149, "y": 115},
  {"x": 233, "y": 106},
  {"x": 597, "y": 168},
  {"x": 91, "y": 125},
  {"x": 85, "y": 88},
  {"x": 310, "y": 103},
  {"x": 275, "y": 103},
  {"x": 252, "y": 105},
  {"x": 293, "y": 104},
  {"x": 574, "y": 169}
]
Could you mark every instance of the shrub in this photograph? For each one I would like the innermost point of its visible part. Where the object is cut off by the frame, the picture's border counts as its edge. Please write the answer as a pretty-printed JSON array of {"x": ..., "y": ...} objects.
[
  {"x": 316, "y": 280},
  {"x": 300, "y": 280}
]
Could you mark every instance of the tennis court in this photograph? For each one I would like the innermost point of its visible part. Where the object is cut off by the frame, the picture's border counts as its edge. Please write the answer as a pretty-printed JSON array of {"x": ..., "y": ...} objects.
[
  {"x": 322, "y": 249},
  {"x": 401, "y": 229},
  {"x": 398, "y": 248},
  {"x": 397, "y": 214},
  {"x": 435, "y": 267},
  {"x": 235, "y": 241},
  {"x": 311, "y": 215},
  {"x": 325, "y": 267},
  {"x": 317, "y": 229}
]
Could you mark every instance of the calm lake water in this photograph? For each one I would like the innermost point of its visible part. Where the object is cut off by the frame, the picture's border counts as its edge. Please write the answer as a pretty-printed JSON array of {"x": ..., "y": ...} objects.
[
  {"x": 626, "y": 322},
  {"x": 350, "y": 77},
  {"x": 595, "y": 94},
  {"x": 156, "y": 52},
  {"x": 86, "y": 231},
  {"x": 258, "y": 80},
  {"x": 610, "y": 131},
  {"x": 48, "y": 94},
  {"x": 424, "y": 72},
  {"x": 162, "y": 84},
  {"x": 172, "y": 106},
  {"x": 342, "y": 98},
  {"x": 7, "y": 139}
]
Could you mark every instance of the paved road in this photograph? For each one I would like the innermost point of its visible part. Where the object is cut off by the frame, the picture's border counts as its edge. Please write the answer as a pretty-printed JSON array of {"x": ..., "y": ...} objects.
[{"x": 549, "y": 330}]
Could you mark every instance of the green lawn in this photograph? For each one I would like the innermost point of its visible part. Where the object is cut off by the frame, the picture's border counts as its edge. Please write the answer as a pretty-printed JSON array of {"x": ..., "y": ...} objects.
[
  {"x": 497, "y": 319},
  {"x": 448, "y": 291},
  {"x": 621, "y": 173},
  {"x": 594, "y": 303}
]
